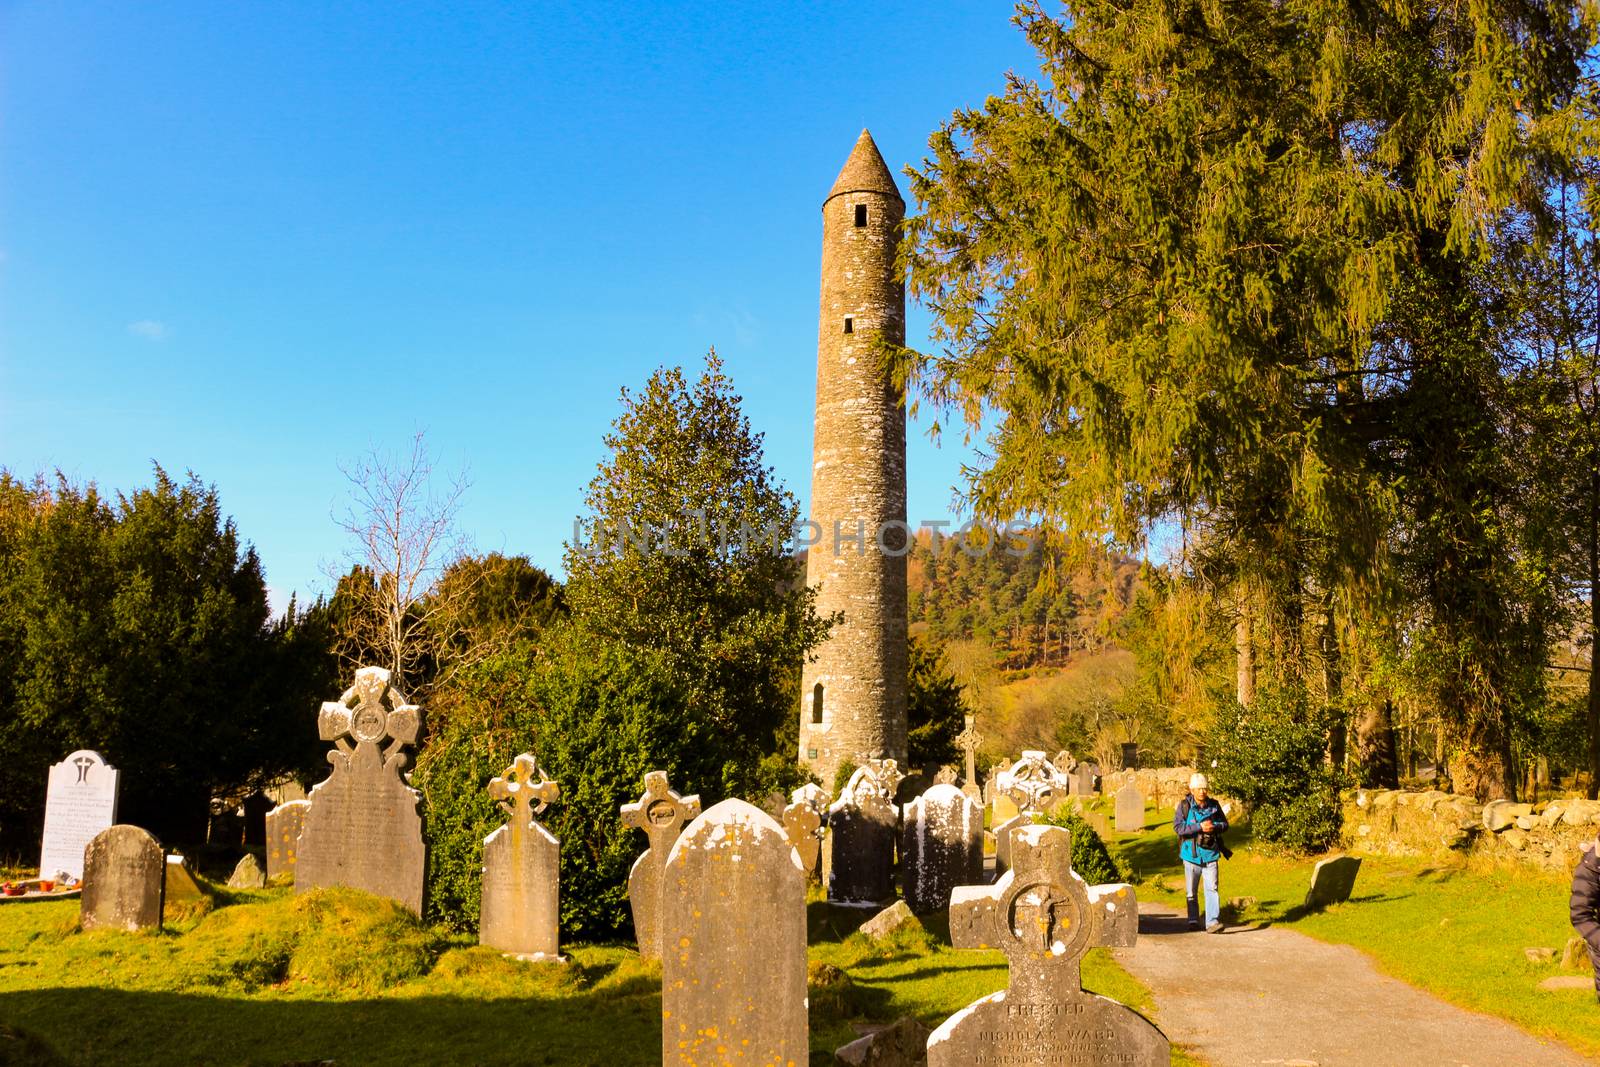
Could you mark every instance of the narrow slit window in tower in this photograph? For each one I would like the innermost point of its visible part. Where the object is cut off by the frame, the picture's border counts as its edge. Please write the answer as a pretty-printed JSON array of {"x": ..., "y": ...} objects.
[
  {"x": 861, "y": 215},
  {"x": 816, "y": 704},
  {"x": 849, "y": 324}
]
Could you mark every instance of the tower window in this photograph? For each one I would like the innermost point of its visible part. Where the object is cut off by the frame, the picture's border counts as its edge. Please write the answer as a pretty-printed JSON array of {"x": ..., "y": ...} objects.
[
  {"x": 811, "y": 753},
  {"x": 816, "y": 705},
  {"x": 849, "y": 324},
  {"x": 861, "y": 215}
]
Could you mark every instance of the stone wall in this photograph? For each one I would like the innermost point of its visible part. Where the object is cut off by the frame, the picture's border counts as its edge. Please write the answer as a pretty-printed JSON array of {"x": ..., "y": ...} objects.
[
  {"x": 1162, "y": 786},
  {"x": 1548, "y": 835}
]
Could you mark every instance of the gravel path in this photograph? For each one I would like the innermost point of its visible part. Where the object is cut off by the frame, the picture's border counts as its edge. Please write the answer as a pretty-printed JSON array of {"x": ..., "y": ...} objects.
[{"x": 1255, "y": 996}]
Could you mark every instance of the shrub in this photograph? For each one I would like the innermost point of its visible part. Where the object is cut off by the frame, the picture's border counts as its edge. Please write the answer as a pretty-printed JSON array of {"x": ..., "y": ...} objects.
[
  {"x": 1272, "y": 757},
  {"x": 1090, "y": 857}
]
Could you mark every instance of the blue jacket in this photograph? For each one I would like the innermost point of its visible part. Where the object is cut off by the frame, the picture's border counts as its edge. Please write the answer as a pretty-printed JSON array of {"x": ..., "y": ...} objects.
[{"x": 1186, "y": 824}]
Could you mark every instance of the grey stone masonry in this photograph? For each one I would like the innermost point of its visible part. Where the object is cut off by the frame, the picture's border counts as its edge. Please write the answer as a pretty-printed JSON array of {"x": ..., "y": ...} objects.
[
  {"x": 853, "y": 695},
  {"x": 521, "y": 903},
  {"x": 733, "y": 977},
  {"x": 124, "y": 880},
  {"x": 364, "y": 827},
  {"x": 1044, "y": 918},
  {"x": 662, "y": 814}
]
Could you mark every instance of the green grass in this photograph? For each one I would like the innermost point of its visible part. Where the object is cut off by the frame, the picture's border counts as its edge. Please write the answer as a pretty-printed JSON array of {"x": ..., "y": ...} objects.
[
  {"x": 269, "y": 978},
  {"x": 1456, "y": 931}
]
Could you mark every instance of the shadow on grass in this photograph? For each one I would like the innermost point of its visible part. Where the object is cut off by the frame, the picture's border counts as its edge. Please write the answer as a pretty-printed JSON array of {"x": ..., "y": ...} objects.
[{"x": 47, "y": 1028}]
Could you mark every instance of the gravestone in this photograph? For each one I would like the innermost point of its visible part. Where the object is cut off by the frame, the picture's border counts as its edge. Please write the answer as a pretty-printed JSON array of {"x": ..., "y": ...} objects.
[
  {"x": 124, "y": 880},
  {"x": 1002, "y": 841},
  {"x": 1086, "y": 779},
  {"x": 662, "y": 814},
  {"x": 254, "y": 810},
  {"x": 1033, "y": 784},
  {"x": 1130, "y": 809},
  {"x": 941, "y": 847},
  {"x": 247, "y": 873},
  {"x": 364, "y": 829},
  {"x": 968, "y": 741},
  {"x": 1044, "y": 918},
  {"x": 811, "y": 852},
  {"x": 520, "y": 906},
  {"x": 80, "y": 802},
  {"x": 803, "y": 824},
  {"x": 180, "y": 885},
  {"x": 862, "y": 827},
  {"x": 991, "y": 787},
  {"x": 1332, "y": 881},
  {"x": 1130, "y": 755},
  {"x": 948, "y": 774},
  {"x": 733, "y": 978},
  {"x": 1099, "y": 822},
  {"x": 284, "y": 824}
]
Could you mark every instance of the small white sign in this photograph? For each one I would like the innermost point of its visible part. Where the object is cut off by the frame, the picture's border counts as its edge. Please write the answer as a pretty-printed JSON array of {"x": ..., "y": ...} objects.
[{"x": 80, "y": 803}]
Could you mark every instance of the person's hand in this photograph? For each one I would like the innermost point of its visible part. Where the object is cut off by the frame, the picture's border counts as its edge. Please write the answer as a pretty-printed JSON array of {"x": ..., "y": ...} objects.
[{"x": 1207, "y": 826}]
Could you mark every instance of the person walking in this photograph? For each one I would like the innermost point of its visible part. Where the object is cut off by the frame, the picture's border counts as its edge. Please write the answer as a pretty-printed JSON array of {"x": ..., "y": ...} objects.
[
  {"x": 1200, "y": 824},
  {"x": 1586, "y": 906}
]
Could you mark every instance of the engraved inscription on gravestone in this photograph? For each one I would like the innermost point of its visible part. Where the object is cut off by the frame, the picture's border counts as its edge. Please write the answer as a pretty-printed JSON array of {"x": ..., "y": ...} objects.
[
  {"x": 80, "y": 802},
  {"x": 364, "y": 829}
]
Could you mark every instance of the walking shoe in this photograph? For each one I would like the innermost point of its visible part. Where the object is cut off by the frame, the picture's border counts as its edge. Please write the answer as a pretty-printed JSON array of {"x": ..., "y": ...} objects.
[{"x": 1215, "y": 928}]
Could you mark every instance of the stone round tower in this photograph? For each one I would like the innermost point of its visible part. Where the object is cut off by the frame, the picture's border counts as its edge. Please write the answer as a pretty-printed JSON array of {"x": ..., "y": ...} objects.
[{"x": 853, "y": 697}]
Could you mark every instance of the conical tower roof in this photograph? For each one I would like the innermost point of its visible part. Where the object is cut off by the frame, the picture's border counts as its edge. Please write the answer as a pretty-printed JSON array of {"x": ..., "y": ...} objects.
[{"x": 865, "y": 172}]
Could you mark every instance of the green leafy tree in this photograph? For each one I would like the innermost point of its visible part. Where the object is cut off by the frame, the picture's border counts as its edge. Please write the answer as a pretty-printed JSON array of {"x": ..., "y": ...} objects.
[
  {"x": 1232, "y": 266},
  {"x": 139, "y": 627},
  {"x": 935, "y": 707},
  {"x": 680, "y": 551}
]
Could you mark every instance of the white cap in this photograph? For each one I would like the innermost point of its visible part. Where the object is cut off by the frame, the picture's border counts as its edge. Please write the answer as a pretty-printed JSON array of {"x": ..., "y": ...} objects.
[{"x": 1198, "y": 781}]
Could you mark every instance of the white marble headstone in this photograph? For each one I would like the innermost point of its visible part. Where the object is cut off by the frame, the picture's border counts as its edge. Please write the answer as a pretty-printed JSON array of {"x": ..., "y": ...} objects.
[{"x": 81, "y": 801}]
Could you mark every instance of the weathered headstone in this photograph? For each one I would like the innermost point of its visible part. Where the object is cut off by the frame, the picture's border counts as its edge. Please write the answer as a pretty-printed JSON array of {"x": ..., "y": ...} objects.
[
  {"x": 662, "y": 814},
  {"x": 862, "y": 827},
  {"x": 1044, "y": 918},
  {"x": 968, "y": 741},
  {"x": 180, "y": 885},
  {"x": 521, "y": 897},
  {"x": 1086, "y": 779},
  {"x": 124, "y": 880},
  {"x": 247, "y": 873},
  {"x": 1033, "y": 784},
  {"x": 733, "y": 978},
  {"x": 364, "y": 829},
  {"x": 804, "y": 826},
  {"x": 1002, "y": 841},
  {"x": 1332, "y": 881},
  {"x": 1130, "y": 755},
  {"x": 991, "y": 785},
  {"x": 284, "y": 824},
  {"x": 1130, "y": 809},
  {"x": 80, "y": 802},
  {"x": 941, "y": 847},
  {"x": 949, "y": 774}
]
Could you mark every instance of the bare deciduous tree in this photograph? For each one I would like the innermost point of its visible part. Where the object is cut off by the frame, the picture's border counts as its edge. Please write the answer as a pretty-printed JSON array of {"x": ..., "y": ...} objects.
[{"x": 405, "y": 537}]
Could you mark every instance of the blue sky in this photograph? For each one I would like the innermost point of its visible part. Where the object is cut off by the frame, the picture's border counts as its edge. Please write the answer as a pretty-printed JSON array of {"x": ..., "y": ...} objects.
[{"x": 255, "y": 240}]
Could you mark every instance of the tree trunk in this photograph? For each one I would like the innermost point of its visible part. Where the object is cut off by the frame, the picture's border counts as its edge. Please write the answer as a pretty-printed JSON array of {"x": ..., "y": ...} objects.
[
  {"x": 1375, "y": 747},
  {"x": 1333, "y": 694},
  {"x": 1244, "y": 650},
  {"x": 1483, "y": 767},
  {"x": 1593, "y": 788}
]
